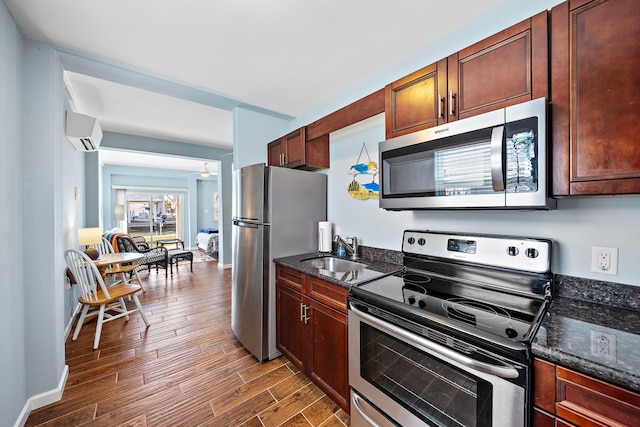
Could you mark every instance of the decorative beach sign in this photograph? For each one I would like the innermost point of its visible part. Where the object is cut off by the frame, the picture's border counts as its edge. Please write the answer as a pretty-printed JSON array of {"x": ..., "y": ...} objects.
[{"x": 363, "y": 190}]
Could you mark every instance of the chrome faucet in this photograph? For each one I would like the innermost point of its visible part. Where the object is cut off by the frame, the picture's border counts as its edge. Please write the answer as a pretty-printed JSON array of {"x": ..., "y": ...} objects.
[{"x": 352, "y": 249}]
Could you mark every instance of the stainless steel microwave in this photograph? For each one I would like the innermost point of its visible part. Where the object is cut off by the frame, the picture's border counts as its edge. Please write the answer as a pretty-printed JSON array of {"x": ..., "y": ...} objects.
[{"x": 496, "y": 160}]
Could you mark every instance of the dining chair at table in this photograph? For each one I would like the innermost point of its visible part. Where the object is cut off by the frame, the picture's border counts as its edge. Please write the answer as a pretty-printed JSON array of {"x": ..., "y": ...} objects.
[
  {"x": 131, "y": 269},
  {"x": 103, "y": 247},
  {"x": 107, "y": 303}
]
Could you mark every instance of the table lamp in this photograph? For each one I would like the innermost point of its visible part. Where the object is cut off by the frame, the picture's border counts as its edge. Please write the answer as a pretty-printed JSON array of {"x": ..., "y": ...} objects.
[{"x": 89, "y": 236}]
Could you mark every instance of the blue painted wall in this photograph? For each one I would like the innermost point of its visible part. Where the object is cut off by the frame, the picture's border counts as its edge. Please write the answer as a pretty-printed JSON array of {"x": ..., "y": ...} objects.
[{"x": 13, "y": 386}]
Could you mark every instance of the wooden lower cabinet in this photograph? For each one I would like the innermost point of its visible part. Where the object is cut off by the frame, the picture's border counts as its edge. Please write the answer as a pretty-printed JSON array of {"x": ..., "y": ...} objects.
[
  {"x": 570, "y": 398},
  {"x": 328, "y": 366},
  {"x": 543, "y": 419},
  {"x": 311, "y": 330},
  {"x": 290, "y": 330}
]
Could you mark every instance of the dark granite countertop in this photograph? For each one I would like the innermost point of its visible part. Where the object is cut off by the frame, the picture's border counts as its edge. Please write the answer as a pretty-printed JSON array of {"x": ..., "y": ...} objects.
[
  {"x": 581, "y": 312},
  {"x": 577, "y": 331},
  {"x": 379, "y": 264}
]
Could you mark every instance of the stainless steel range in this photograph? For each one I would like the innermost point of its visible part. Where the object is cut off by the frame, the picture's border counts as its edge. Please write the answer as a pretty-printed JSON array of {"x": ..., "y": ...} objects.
[{"x": 447, "y": 341}]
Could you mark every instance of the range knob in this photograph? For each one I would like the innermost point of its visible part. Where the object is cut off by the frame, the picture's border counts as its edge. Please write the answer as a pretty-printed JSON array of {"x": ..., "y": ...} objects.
[
  {"x": 531, "y": 252},
  {"x": 511, "y": 333},
  {"x": 421, "y": 241},
  {"x": 411, "y": 300},
  {"x": 411, "y": 240},
  {"x": 422, "y": 304},
  {"x": 512, "y": 251}
]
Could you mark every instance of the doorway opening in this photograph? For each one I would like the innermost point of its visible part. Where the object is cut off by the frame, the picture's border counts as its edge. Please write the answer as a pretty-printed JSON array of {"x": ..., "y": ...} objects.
[{"x": 154, "y": 216}]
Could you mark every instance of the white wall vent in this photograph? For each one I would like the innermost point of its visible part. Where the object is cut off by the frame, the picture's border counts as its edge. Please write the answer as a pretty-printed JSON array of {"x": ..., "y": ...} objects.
[{"x": 83, "y": 132}]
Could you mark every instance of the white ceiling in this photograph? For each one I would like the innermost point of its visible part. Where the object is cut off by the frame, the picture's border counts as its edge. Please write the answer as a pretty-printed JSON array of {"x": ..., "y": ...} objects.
[{"x": 286, "y": 56}]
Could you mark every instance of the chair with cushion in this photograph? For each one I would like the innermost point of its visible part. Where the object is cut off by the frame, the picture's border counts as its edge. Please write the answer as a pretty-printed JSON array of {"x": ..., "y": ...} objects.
[
  {"x": 105, "y": 303},
  {"x": 157, "y": 257}
]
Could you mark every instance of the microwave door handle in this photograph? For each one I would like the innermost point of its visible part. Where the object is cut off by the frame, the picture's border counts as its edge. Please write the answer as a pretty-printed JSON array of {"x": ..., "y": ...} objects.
[{"x": 497, "y": 174}]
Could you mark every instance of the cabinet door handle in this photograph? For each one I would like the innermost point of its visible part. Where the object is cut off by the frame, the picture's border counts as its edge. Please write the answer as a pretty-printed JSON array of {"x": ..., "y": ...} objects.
[
  {"x": 302, "y": 312},
  {"x": 440, "y": 105},
  {"x": 306, "y": 314},
  {"x": 452, "y": 109},
  {"x": 284, "y": 160}
]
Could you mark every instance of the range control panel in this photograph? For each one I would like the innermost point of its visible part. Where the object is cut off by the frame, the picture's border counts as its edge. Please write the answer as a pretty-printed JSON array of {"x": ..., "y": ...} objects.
[{"x": 519, "y": 253}]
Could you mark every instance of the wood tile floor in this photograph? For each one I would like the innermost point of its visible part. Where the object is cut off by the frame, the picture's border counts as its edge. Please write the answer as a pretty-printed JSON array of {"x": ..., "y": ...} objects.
[{"x": 187, "y": 369}]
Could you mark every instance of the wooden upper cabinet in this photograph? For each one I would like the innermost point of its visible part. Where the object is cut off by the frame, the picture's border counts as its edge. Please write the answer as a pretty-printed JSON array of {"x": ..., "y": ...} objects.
[
  {"x": 507, "y": 68},
  {"x": 276, "y": 152},
  {"x": 416, "y": 101},
  {"x": 595, "y": 80},
  {"x": 288, "y": 151},
  {"x": 295, "y": 151}
]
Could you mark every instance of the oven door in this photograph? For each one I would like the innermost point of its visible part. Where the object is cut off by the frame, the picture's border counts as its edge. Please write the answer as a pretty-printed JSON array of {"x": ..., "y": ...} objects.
[{"x": 415, "y": 381}]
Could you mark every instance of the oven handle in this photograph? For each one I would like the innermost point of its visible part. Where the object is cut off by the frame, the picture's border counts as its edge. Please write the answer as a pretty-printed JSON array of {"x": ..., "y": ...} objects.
[
  {"x": 358, "y": 404},
  {"x": 504, "y": 371}
]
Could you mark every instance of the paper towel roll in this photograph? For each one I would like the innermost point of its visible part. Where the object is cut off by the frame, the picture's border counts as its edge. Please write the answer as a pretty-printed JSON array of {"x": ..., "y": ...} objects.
[{"x": 324, "y": 236}]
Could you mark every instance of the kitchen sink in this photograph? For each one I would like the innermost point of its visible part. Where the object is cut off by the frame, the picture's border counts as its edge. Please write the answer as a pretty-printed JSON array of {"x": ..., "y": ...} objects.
[{"x": 333, "y": 264}]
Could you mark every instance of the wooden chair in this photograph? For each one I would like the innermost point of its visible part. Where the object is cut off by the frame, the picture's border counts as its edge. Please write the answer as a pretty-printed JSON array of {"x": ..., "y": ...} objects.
[
  {"x": 105, "y": 303},
  {"x": 105, "y": 247}
]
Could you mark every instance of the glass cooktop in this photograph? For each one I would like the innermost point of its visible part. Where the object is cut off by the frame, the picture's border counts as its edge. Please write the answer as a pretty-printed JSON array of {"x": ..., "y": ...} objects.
[{"x": 499, "y": 313}]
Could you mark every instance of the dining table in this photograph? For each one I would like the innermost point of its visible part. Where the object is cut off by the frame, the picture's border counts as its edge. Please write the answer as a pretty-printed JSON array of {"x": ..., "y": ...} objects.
[{"x": 107, "y": 260}]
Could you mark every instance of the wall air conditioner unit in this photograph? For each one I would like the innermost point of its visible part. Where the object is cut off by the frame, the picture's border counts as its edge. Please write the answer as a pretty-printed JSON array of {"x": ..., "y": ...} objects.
[{"x": 83, "y": 132}]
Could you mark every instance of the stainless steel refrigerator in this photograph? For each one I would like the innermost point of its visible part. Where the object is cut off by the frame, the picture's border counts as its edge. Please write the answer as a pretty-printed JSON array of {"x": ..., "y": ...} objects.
[{"x": 275, "y": 213}]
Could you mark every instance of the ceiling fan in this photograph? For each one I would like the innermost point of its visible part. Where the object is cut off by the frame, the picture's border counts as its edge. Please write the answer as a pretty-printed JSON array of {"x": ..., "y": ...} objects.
[{"x": 204, "y": 172}]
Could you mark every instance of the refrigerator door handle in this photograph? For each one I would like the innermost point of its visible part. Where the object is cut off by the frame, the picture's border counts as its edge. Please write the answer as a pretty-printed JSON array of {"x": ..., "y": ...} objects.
[{"x": 246, "y": 223}]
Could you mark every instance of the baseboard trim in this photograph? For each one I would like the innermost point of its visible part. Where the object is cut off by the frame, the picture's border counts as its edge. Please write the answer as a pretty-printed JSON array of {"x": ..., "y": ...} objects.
[
  {"x": 69, "y": 327},
  {"x": 223, "y": 266},
  {"x": 43, "y": 399}
]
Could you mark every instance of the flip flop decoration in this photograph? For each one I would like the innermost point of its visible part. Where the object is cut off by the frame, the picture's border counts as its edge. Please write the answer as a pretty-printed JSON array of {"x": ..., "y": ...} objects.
[{"x": 368, "y": 190}]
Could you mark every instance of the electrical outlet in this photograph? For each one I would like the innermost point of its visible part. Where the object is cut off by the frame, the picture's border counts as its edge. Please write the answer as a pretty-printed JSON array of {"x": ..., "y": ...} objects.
[
  {"x": 604, "y": 260},
  {"x": 603, "y": 345}
]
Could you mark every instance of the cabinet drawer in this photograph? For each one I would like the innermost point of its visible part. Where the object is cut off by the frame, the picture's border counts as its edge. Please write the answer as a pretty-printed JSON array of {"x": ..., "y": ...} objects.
[
  {"x": 332, "y": 295},
  {"x": 587, "y": 401},
  {"x": 290, "y": 278}
]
